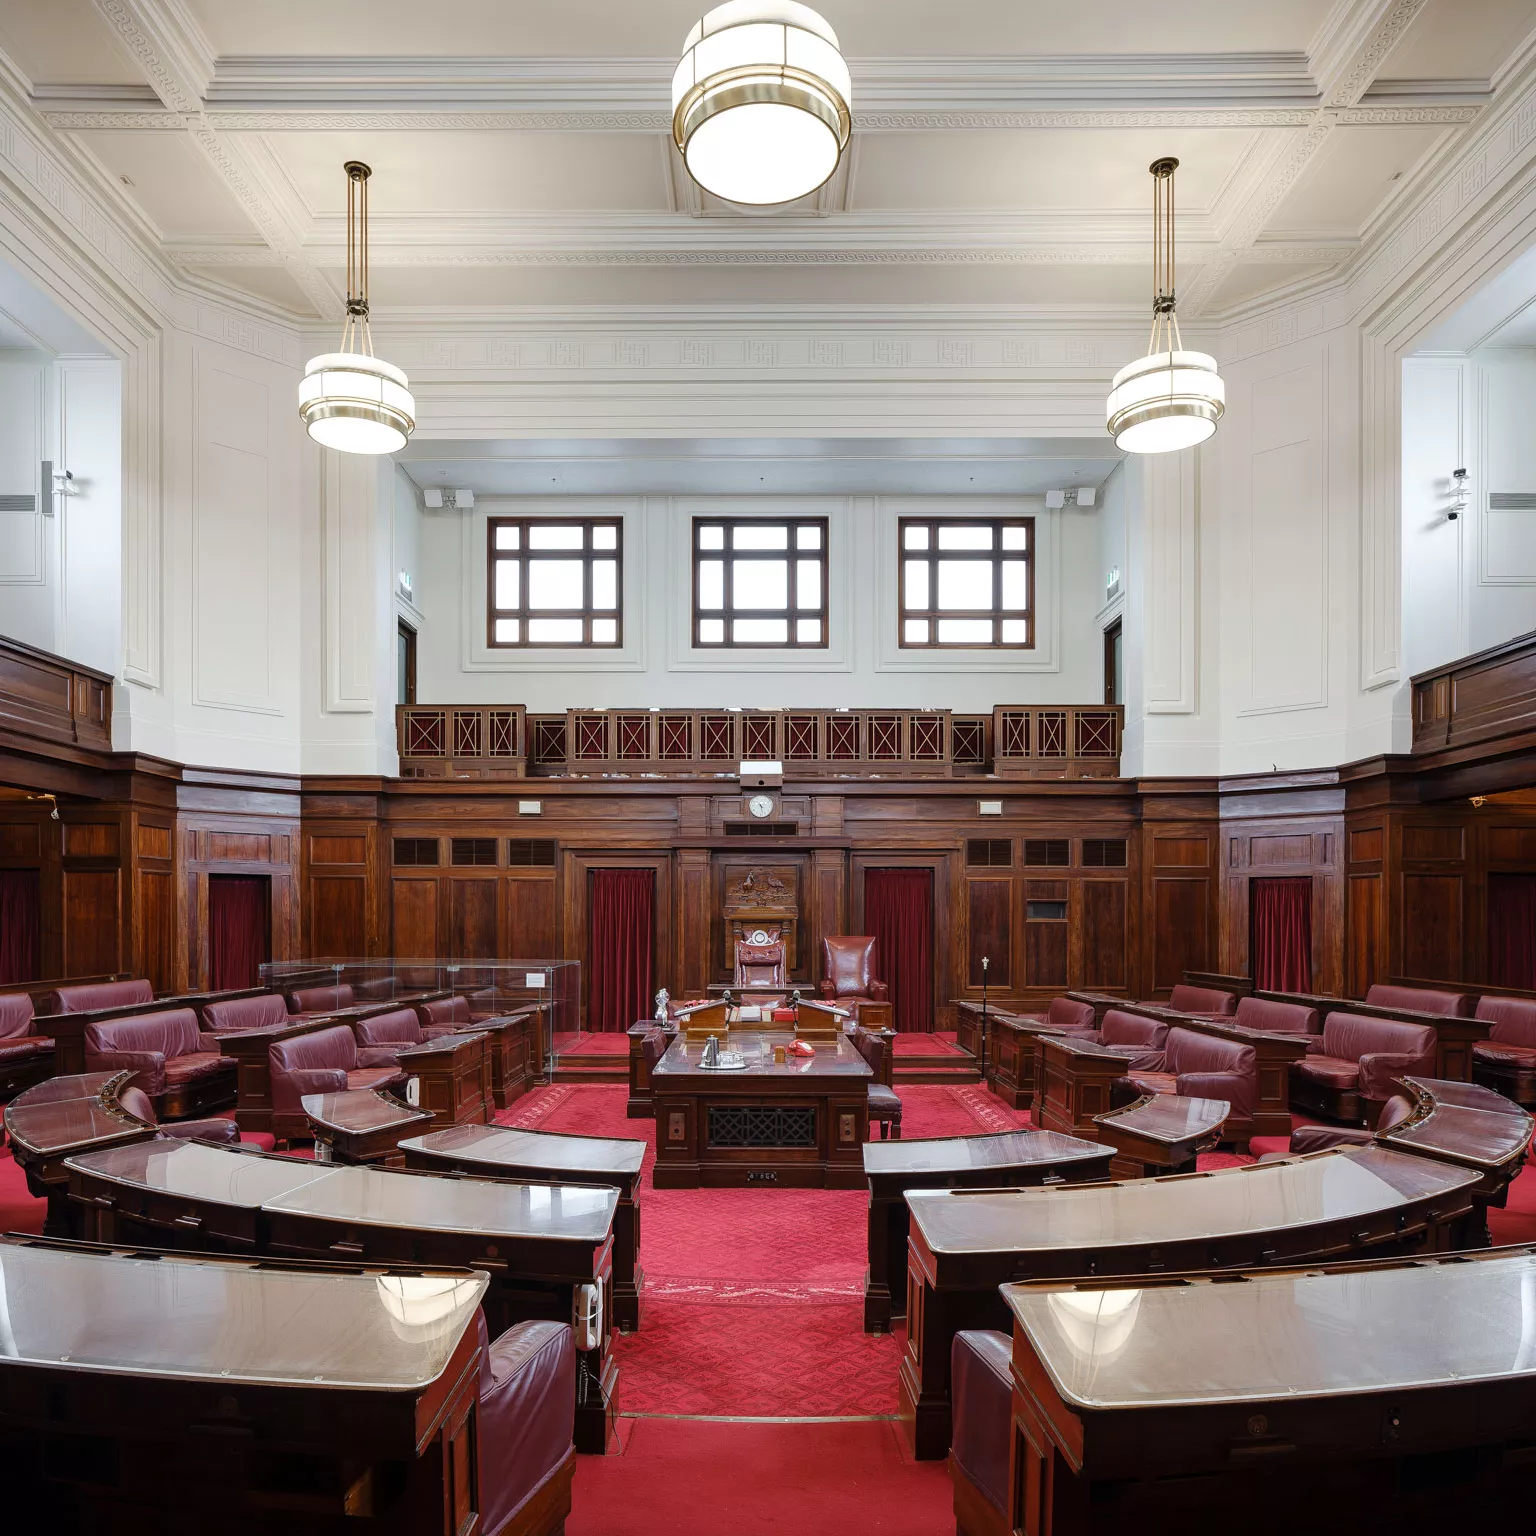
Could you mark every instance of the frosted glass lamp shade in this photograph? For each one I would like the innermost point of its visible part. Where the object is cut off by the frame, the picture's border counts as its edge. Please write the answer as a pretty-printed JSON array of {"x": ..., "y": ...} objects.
[
  {"x": 356, "y": 403},
  {"x": 1165, "y": 401},
  {"x": 760, "y": 102}
]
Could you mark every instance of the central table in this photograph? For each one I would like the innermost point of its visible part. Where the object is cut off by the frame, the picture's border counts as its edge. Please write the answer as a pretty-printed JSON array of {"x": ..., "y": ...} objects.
[{"x": 800, "y": 1122}]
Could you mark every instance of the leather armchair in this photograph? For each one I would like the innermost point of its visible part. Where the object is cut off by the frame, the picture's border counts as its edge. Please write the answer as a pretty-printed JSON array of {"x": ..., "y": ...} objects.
[
  {"x": 1456, "y": 1005},
  {"x": 86, "y": 996},
  {"x": 1354, "y": 1064},
  {"x": 390, "y": 1033},
  {"x": 25, "y": 1058},
  {"x": 1319, "y": 1138},
  {"x": 324, "y": 1061},
  {"x": 982, "y": 1394},
  {"x": 1506, "y": 1060},
  {"x": 1200, "y": 1066},
  {"x": 444, "y": 1016},
  {"x": 848, "y": 970},
  {"x": 1203, "y": 1000},
  {"x": 218, "y": 1129},
  {"x": 1276, "y": 1018},
  {"x": 884, "y": 1102},
  {"x": 1070, "y": 1017},
  {"x": 527, "y": 1415},
  {"x": 237, "y": 1013},
  {"x": 1120, "y": 1028},
  {"x": 313, "y": 1000},
  {"x": 179, "y": 1068}
]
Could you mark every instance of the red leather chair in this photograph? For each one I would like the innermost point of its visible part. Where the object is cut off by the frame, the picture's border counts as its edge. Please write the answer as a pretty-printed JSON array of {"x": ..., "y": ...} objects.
[
  {"x": 445, "y": 1015},
  {"x": 848, "y": 967},
  {"x": 1506, "y": 1060},
  {"x": 323, "y": 1061},
  {"x": 1350, "y": 1070},
  {"x": 313, "y": 1000},
  {"x": 219, "y": 1129},
  {"x": 982, "y": 1394},
  {"x": 527, "y": 1416},
  {"x": 1275, "y": 1018},
  {"x": 1120, "y": 1028},
  {"x": 884, "y": 1102},
  {"x": 395, "y": 1032},
  {"x": 25, "y": 1058},
  {"x": 1072, "y": 1018},
  {"x": 1203, "y": 1067},
  {"x": 1203, "y": 1000},
  {"x": 1319, "y": 1138},
  {"x": 178, "y": 1066},
  {"x": 86, "y": 996},
  {"x": 237, "y": 1013},
  {"x": 1456, "y": 1005}
]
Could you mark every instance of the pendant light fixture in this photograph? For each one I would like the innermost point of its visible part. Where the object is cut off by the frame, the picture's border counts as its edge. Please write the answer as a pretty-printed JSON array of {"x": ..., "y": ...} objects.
[
  {"x": 350, "y": 399},
  {"x": 760, "y": 101},
  {"x": 1170, "y": 398}
]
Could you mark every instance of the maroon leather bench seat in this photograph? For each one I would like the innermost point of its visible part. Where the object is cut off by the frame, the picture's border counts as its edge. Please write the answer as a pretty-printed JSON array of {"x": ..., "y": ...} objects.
[
  {"x": 218, "y": 1128},
  {"x": 1275, "y": 1017},
  {"x": 395, "y": 1032},
  {"x": 25, "y": 1058},
  {"x": 318, "y": 1000},
  {"x": 86, "y": 997},
  {"x": 443, "y": 1015},
  {"x": 1066, "y": 1015},
  {"x": 323, "y": 1061},
  {"x": 982, "y": 1394},
  {"x": 180, "y": 1069},
  {"x": 268, "y": 1011},
  {"x": 1121, "y": 1028},
  {"x": 1455, "y": 1005},
  {"x": 1203, "y": 1000},
  {"x": 1351, "y": 1068},
  {"x": 1200, "y": 1066},
  {"x": 1506, "y": 1060}
]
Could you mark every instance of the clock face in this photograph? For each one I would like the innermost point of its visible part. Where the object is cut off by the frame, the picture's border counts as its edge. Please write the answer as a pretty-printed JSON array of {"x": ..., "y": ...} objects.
[{"x": 761, "y": 805}]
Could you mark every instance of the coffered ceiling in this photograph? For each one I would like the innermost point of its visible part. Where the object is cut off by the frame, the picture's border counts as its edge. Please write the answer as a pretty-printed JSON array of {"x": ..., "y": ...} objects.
[{"x": 521, "y": 152}]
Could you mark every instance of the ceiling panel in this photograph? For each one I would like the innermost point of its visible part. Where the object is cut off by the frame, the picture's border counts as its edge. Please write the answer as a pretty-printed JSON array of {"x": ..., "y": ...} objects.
[
  {"x": 442, "y": 172},
  {"x": 1460, "y": 39},
  {"x": 168, "y": 178},
  {"x": 1254, "y": 278},
  {"x": 1348, "y": 179},
  {"x": 867, "y": 28},
  {"x": 272, "y": 284},
  {"x": 64, "y": 42},
  {"x": 1098, "y": 170}
]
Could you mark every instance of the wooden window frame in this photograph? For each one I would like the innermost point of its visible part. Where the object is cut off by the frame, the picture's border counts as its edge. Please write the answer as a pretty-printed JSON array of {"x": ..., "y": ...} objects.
[
  {"x": 586, "y": 554},
  {"x": 791, "y": 554},
  {"x": 995, "y": 615}
]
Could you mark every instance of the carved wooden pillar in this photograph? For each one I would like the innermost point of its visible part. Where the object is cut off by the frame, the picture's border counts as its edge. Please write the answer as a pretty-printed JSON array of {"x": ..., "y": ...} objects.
[
  {"x": 829, "y": 903},
  {"x": 691, "y": 971}
]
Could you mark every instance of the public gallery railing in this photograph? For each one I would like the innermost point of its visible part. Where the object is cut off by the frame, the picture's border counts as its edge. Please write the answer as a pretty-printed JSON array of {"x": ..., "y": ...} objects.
[{"x": 1044, "y": 741}]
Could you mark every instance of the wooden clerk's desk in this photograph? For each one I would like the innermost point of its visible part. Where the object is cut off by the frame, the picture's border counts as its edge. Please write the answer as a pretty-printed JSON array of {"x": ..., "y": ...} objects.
[
  {"x": 1011, "y": 1159},
  {"x": 1387, "y": 1396},
  {"x": 538, "y": 1243},
  {"x": 155, "y": 1393},
  {"x": 362, "y": 1125},
  {"x": 502, "y": 1152},
  {"x": 1355, "y": 1200}
]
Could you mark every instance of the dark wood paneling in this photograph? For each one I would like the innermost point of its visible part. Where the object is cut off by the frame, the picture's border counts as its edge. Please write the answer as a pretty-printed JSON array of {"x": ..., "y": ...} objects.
[
  {"x": 1432, "y": 911},
  {"x": 414, "y": 917},
  {"x": 1104, "y": 933},
  {"x": 1180, "y": 852},
  {"x": 1365, "y": 946},
  {"x": 337, "y": 916},
  {"x": 52, "y": 700},
  {"x": 91, "y": 931},
  {"x": 472, "y": 919},
  {"x": 1045, "y": 954},
  {"x": 531, "y": 919},
  {"x": 154, "y": 927},
  {"x": 1180, "y": 913},
  {"x": 988, "y": 926}
]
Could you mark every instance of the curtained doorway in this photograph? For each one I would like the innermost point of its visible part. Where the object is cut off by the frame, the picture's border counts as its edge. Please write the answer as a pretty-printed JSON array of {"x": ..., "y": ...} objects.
[
  {"x": 621, "y": 945},
  {"x": 898, "y": 911},
  {"x": 1512, "y": 931},
  {"x": 1280, "y": 934},
  {"x": 239, "y": 929},
  {"x": 21, "y": 926}
]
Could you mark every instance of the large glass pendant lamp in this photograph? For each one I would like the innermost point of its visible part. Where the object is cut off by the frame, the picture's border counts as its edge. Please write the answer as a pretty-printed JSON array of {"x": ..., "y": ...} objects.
[
  {"x": 349, "y": 399},
  {"x": 760, "y": 102},
  {"x": 1170, "y": 398}
]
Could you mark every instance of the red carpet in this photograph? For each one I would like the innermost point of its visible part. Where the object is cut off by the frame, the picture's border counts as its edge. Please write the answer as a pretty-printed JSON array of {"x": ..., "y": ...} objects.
[
  {"x": 608, "y": 1043},
  {"x": 939, "y": 1044},
  {"x": 681, "y": 1478},
  {"x": 19, "y": 1212}
]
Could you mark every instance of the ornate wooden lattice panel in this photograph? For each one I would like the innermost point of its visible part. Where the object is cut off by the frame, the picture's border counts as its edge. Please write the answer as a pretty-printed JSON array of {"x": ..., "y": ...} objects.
[
  {"x": 761, "y": 1125},
  {"x": 1057, "y": 742},
  {"x": 461, "y": 741}
]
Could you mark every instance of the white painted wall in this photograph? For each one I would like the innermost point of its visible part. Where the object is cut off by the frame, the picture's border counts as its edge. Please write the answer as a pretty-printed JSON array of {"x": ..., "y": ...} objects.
[{"x": 862, "y": 665}]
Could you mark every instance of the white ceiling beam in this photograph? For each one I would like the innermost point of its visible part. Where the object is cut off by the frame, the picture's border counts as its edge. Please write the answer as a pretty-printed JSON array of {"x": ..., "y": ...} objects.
[
  {"x": 1349, "y": 52},
  {"x": 165, "y": 39}
]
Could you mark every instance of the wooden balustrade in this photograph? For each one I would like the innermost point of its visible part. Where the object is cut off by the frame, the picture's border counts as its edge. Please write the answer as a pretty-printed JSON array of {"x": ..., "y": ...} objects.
[
  {"x": 1015, "y": 741},
  {"x": 1478, "y": 698},
  {"x": 45, "y": 697}
]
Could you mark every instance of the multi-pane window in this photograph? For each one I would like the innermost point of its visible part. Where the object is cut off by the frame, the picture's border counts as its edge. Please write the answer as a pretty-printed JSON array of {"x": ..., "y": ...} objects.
[
  {"x": 760, "y": 581},
  {"x": 556, "y": 581},
  {"x": 966, "y": 581}
]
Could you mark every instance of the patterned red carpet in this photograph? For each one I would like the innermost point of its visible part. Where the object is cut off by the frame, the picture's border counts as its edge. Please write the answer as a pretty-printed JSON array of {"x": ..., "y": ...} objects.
[{"x": 941, "y": 1044}]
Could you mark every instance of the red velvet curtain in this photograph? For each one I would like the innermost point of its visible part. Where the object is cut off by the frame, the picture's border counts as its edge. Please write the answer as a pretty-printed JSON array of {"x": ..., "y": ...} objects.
[
  {"x": 21, "y": 929},
  {"x": 622, "y": 938},
  {"x": 1280, "y": 934},
  {"x": 898, "y": 910},
  {"x": 1512, "y": 931},
  {"x": 239, "y": 929}
]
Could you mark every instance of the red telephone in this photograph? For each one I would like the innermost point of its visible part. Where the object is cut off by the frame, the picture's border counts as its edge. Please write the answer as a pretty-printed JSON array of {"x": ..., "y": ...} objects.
[{"x": 800, "y": 1048}]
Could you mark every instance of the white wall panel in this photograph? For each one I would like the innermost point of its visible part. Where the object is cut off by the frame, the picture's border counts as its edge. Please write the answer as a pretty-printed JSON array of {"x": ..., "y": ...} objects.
[
  {"x": 90, "y": 447},
  {"x": 27, "y": 605},
  {"x": 350, "y": 611}
]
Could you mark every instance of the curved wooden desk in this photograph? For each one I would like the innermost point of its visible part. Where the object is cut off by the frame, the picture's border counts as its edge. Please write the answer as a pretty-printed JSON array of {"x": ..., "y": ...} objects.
[
  {"x": 168, "y": 1392},
  {"x": 361, "y": 1125},
  {"x": 1161, "y": 1133},
  {"x": 502, "y": 1152},
  {"x": 965, "y": 1244}
]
